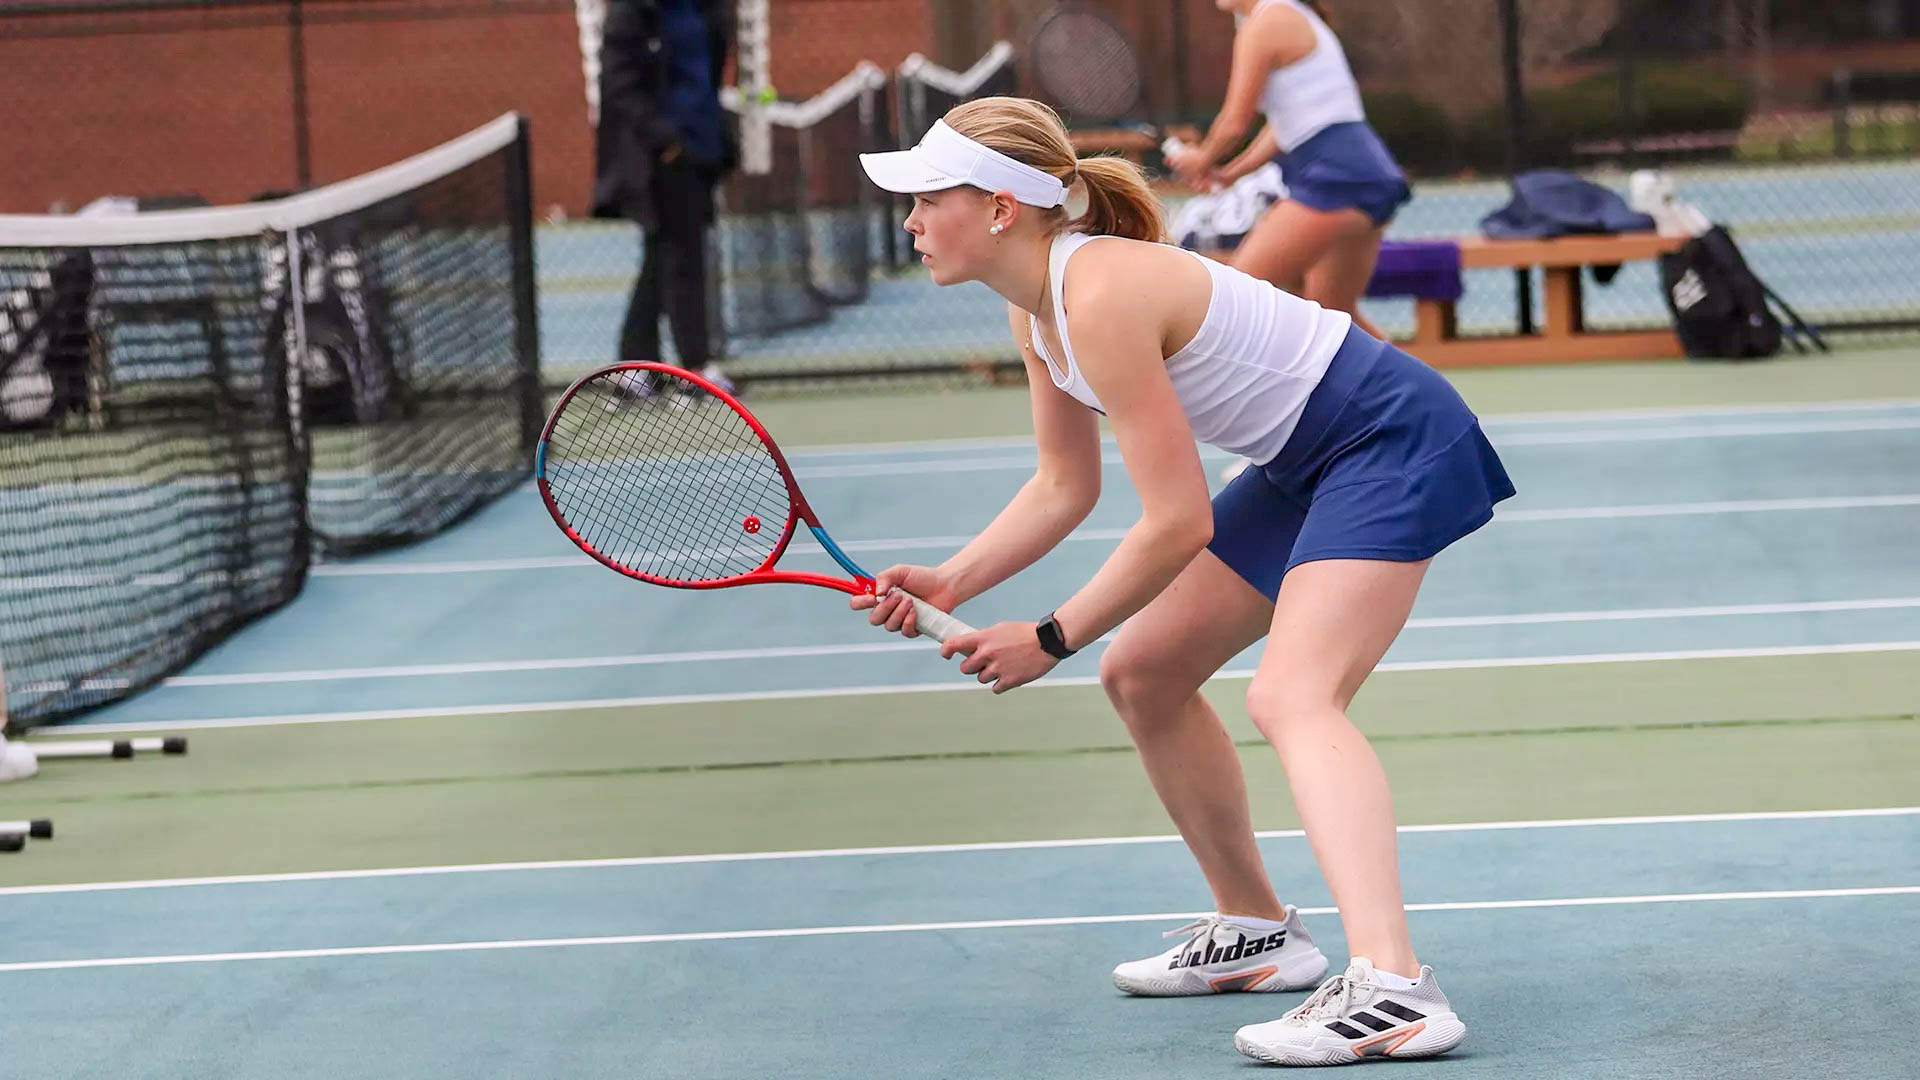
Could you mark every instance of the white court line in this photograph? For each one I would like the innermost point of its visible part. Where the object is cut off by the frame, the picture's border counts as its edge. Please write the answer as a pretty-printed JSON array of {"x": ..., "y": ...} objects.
[
  {"x": 917, "y": 928},
  {"x": 972, "y": 464},
  {"x": 1728, "y": 506},
  {"x": 917, "y": 543},
  {"x": 1570, "y": 416},
  {"x": 1638, "y": 614},
  {"x": 1671, "y": 412},
  {"x": 930, "y": 849},
  {"x": 1544, "y": 438},
  {"x": 779, "y": 652},
  {"x": 1809, "y": 427},
  {"x": 961, "y": 684}
]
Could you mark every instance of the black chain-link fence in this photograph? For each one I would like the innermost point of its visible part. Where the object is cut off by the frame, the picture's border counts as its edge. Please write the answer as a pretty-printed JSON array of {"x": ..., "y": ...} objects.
[{"x": 1795, "y": 123}]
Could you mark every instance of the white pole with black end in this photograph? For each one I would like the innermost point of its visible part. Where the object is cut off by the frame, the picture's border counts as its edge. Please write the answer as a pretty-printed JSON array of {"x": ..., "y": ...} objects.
[
  {"x": 14, "y": 834},
  {"x": 108, "y": 748},
  {"x": 17, "y": 762}
]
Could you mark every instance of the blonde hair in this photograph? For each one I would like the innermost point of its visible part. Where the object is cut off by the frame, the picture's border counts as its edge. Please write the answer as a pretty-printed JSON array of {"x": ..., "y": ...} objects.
[{"x": 1119, "y": 203}]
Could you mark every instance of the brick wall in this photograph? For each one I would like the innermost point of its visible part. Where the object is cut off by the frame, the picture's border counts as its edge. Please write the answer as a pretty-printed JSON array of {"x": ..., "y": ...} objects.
[
  {"x": 200, "y": 101},
  {"x": 197, "y": 101},
  {"x": 815, "y": 42},
  {"x": 167, "y": 103}
]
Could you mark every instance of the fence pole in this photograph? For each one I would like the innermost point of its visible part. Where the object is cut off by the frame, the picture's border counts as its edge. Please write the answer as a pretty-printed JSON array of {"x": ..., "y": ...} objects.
[
  {"x": 1629, "y": 53},
  {"x": 1842, "y": 112},
  {"x": 1516, "y": 138},
  {"x": 297, "y": 61},
  {"x": 1178, "y": 13}
]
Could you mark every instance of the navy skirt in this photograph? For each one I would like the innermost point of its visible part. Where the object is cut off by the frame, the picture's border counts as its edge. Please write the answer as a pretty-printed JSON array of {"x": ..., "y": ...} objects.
[
  {"x": 1387, "y": 463},
  {"x": 1342, "y": 166}
]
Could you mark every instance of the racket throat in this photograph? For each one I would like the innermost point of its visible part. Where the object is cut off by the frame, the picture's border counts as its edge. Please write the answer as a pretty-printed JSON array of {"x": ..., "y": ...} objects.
[{"x": 846, "y": 561}]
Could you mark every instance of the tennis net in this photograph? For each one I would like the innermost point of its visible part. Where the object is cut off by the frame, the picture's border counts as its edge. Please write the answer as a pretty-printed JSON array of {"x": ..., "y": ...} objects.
[
  {"x": 801, "y": 238},
  {"x": 925, "y": 90},
  {"x": 193, "y": 401}
]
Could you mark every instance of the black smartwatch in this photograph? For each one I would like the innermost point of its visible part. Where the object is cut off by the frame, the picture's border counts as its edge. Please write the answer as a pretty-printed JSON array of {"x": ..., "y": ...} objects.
[{"x": 1052, "y": 638}]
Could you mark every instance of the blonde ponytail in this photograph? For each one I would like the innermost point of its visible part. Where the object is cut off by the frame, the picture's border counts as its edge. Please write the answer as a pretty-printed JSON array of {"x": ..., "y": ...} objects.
[{"x": 1119, "y": 203}]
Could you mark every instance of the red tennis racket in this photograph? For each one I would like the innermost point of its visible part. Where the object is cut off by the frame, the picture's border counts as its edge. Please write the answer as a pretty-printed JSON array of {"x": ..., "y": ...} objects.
[{"x": 665, "y": 477}]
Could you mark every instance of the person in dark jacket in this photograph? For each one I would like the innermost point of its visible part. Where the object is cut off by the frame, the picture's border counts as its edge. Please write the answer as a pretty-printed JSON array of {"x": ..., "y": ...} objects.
[{"x": 664, "y": 145}]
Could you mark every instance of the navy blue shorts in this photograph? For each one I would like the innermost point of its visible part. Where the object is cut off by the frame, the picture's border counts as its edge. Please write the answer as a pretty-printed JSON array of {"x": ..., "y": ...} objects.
[
  {"x": 1345, "y": 166},
  {"x": 1387, "y": 463}
]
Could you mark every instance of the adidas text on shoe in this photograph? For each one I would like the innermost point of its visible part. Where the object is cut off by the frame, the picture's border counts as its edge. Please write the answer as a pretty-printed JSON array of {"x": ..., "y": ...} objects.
[{"x": 1220, "y": 956}]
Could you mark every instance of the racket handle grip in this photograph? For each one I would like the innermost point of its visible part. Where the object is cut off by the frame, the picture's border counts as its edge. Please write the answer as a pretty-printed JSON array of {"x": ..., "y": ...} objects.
[{"x": 935, "y": 623}]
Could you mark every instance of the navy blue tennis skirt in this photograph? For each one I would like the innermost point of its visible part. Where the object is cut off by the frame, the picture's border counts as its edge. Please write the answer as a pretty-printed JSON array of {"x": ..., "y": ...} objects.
[
  {"x": 1345, "y": 165},
  {"x": 1387, "y": 463}
]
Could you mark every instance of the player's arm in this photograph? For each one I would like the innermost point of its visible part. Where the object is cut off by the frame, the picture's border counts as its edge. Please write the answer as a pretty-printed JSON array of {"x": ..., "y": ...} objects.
[
  {"x": 1258, "y": 152},
  {"x": 1118, "y": 309},
  {"x": 1116, "y": 316},
  {"x": 1272, "y": 38},
  {"x": 1055, "y": 500}
]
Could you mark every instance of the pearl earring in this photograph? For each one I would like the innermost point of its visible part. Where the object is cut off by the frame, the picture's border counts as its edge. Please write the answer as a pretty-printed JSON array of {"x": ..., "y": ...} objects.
[{"x": 996, "y": 229}]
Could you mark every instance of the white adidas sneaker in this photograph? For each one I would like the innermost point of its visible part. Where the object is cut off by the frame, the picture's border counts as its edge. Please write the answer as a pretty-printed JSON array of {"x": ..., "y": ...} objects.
[
  {"x": 1220, "y": 956},
  {"x": 1352, "y": 1017}
]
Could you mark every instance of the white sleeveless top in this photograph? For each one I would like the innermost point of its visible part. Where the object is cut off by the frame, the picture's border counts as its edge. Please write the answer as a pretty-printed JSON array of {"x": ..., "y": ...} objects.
[
  {"x": 1314, "y": 92},
  {"x": 1244, "y": 378}
]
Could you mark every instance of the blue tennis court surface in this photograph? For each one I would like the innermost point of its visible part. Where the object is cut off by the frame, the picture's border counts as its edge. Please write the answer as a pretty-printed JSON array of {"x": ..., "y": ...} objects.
[
  {"x": 1646, "y": 949},
  {"x": 480, "y": 807},
  {"x": 1731, "y": 529}
]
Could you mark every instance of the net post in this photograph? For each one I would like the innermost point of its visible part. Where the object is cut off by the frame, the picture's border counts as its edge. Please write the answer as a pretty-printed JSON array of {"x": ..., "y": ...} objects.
[
  {"x": 526, "y": 308},
  {"x": 899, "y": 244},
  {"x": 296, "y": 344},
  {"x": 755, "y": 78},
  {"x": 298, "y": 442}
]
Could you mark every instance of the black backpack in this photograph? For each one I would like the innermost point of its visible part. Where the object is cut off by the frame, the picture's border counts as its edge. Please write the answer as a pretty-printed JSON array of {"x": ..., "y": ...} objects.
[
  {"x": 46, "y": 343},
  {"x": 349, "y": 374},
  {"x": 1719, "y": 306}
]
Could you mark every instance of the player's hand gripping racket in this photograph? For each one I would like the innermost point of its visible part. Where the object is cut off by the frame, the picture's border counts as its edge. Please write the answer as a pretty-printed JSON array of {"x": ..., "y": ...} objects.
[{"x": 665, "y": 477}]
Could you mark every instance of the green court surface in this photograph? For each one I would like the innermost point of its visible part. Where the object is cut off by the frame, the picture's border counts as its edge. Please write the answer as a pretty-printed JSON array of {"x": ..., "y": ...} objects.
[{"x": 481, "y": 808}]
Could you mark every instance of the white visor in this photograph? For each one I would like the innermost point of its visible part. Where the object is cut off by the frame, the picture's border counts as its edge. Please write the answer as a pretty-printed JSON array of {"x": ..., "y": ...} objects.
[{"x": 946, "y": 159}]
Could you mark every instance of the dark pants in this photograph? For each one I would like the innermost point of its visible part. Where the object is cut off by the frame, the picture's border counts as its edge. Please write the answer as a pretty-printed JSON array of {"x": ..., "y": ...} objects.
[{"x": 673, "y": 270}]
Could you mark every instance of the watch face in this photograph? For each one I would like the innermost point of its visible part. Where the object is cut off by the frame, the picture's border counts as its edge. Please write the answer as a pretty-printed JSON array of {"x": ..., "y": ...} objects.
[{"x": 1052, "y": 640}]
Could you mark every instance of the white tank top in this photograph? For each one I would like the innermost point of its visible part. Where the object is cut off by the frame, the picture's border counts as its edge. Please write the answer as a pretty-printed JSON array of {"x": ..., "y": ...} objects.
[
  {"x": 1314, "y": 92},
  {"x": 1244, "y": 378}
]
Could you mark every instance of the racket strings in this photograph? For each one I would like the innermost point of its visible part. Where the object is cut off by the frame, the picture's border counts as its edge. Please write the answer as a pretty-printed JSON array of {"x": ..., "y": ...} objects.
[
  {"x": 1087, "y": 65},
  {"x": 672, "y": 507},
  {"x": 676, "y": 486},
  {"x": 683, "y": 518}
]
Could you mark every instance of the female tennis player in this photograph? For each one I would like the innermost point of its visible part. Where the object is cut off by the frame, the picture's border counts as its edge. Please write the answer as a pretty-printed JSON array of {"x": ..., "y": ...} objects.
[
  {"x": 1370, "y": 463},
  {"x": 1343, "y": 186}
]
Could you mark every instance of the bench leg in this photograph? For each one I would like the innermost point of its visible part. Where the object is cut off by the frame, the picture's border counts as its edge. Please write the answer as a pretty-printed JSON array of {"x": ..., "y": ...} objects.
[
  {"x": 1523, "y": 293},
  {"x": 1565, "y": 315},
  {"x": 1433, "y": 321}
]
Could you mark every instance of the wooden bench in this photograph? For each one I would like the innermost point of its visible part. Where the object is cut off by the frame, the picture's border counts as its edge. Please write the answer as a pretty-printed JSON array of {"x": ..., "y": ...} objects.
[{"x": 1564, "y": 337}]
